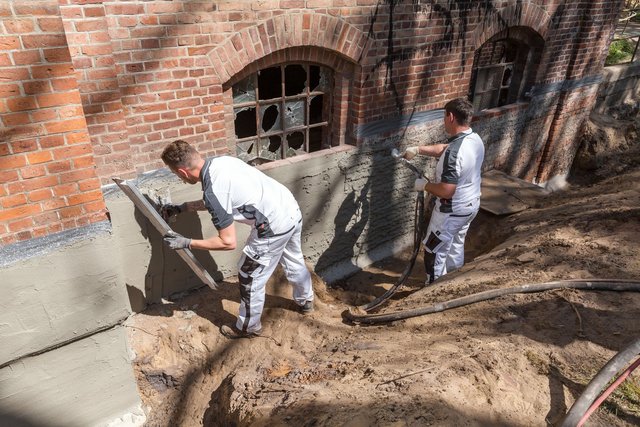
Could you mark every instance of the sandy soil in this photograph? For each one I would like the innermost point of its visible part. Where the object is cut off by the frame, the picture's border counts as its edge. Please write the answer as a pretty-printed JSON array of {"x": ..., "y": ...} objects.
[{"x": 514, "y": 361}]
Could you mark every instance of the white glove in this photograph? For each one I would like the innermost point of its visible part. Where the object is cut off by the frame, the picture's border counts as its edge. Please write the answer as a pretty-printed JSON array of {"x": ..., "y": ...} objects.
[
  {"x": 410, "y": 152},
  {"x": 419, "y": 184}
]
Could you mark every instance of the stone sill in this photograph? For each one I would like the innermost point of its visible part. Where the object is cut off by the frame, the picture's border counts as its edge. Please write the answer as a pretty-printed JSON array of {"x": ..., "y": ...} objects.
[{"x": 303, "y": 157}]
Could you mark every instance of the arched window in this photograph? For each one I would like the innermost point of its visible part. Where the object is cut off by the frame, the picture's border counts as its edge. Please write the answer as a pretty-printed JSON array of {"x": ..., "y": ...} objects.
[
  {"x": 282, "y": 111},
  {"x": 504, "y": 68}
]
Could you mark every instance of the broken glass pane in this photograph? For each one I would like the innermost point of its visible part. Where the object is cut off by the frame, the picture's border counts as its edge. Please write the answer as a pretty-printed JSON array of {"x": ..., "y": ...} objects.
[
  {"x": 294, "y": 113},
  {"x": 319, "y": 78},
  {"x": 270, "y": 83},
  {"x": 245, "y": 122},
  {"x": 506, "y": 77},
  {"x": 316, "y": 139},
  {"x": 315, "y": 109},
  {"x": 295, "y": 80},
  {"x": 270, "y": 148},
  {"x": 245, "y": 150},
  {"x": 270, "y": 117},
  {"x": 489, "y": 78},
  {"x": 244, "y": 91},
  {"x": 295, "y": 143}
]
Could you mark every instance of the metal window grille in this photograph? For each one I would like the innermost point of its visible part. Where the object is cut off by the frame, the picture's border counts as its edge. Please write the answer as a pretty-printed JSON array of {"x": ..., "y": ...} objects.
[
  {"x": 498, "y": 73},
  {"x": 282, "y": 111}
]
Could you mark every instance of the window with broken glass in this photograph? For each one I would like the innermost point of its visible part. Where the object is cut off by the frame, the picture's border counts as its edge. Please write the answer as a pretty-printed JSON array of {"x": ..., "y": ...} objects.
[
  {"x": 498, "y": 71},
  {"x": 282, "y": 111}
]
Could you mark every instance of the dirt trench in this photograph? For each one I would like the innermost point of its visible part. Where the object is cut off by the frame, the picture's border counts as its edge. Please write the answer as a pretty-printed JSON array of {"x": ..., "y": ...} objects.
[{"x": 515, "y": 361}]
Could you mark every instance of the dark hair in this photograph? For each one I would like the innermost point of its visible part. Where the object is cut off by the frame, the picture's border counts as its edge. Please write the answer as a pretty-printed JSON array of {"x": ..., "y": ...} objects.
[
  {"x": 462, "y": 110},
  {"x": 179, "y": 154}
]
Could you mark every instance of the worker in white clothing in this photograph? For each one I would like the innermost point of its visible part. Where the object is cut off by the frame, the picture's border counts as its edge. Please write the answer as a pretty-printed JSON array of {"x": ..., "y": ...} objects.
[
  {"x": 235, "y": 191},
  {"x": 456, "y": 187}
]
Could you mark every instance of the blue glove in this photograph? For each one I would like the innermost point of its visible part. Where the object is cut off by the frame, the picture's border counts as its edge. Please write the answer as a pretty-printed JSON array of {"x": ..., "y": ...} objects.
[{"x": 176, "y": 241}]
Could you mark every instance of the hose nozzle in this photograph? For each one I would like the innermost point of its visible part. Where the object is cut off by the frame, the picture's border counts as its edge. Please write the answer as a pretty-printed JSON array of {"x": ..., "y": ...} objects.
[{"x": 395, "y": 153}]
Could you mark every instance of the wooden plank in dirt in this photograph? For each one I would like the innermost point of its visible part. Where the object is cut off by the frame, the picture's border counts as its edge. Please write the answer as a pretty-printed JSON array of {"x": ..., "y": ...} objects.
[{"x": 503, "y": 194}]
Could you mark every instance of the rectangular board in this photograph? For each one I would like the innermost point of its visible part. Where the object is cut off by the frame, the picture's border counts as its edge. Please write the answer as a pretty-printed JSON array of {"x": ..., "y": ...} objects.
[
  {"x": 163, "y": 228},
  {"x": 503, "y": 194}
]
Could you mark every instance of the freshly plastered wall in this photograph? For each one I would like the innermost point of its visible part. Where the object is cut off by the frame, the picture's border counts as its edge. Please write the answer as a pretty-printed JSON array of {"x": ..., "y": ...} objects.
[
  {"x": 357, "y": 207},
  {"x": 86, "y": 383},
  {"x": 64, "y": 358}
]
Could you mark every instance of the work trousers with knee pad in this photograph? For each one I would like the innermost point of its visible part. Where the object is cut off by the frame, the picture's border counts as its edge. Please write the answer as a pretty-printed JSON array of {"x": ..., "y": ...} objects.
[
  {"x": 444, "y": 242},
  {"x": 259, "y": 260}
]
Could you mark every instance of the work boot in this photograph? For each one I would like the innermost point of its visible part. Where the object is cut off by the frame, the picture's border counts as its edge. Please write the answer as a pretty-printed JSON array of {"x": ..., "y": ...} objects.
[
  {"x": 231, "y": 332},
  {"x": 428, "y": 281},
  {"x": 307, "y": 307}
]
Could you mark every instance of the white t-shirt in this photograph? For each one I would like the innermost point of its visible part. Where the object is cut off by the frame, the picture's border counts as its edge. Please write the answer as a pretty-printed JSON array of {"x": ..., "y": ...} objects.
[
  {"x": 461, "y": 164},
  {"x": 233, "y": 190}
]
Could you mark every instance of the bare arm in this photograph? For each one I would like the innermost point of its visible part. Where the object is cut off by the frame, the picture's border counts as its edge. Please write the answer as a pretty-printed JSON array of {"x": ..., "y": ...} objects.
[
  {"x": 434, "y": 150},
  {"x": 224, "y": 241},
  {"x": 442, "y": 190}
]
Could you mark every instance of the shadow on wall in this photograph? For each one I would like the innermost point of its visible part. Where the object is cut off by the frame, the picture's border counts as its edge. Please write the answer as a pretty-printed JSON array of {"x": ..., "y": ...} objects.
[
  {"x": 350, "y": 222},
  {"x": 167, "y": 273}
]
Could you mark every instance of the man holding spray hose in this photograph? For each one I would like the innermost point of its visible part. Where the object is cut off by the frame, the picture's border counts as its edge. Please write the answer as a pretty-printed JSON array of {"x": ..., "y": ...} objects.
[{"x": 456, "y": 187}]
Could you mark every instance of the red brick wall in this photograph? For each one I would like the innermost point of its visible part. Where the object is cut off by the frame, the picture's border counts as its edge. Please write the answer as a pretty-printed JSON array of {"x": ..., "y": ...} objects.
[
  {"x": 92, "y": 89},
  {"x": 48, "y": 181}
]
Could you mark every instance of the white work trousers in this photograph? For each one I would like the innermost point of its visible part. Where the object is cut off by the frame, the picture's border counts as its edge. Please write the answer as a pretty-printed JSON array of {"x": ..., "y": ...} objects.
[
  {"x": 444, "y": 242},
  {"x": 259, "y": 260}
]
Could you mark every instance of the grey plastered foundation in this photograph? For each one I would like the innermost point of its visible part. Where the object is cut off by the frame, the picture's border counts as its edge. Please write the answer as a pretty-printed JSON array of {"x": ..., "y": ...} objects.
[{"x": 86, "y": 383}]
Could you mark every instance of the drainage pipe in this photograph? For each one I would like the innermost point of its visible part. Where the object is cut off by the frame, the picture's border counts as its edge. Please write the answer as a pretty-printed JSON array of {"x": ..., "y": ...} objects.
[
  {"x": 585, "y": 405},
  {"x": 357, "y": 316}
]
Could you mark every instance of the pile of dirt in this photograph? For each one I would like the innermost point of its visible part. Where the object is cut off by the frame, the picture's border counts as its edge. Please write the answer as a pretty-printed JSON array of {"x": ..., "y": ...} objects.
[{"x": 519, "y": 360}]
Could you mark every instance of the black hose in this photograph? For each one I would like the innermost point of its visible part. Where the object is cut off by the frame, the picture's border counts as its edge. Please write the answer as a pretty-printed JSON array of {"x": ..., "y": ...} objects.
[
  {"x": 418, "y": 235},
  {"x": 580, "y": 284},
  {"x": 595, "y": 386}
]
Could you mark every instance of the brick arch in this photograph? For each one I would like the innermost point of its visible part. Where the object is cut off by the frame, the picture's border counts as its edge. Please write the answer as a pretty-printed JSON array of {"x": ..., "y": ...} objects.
[
  {"x": 284, "y": 32},
  {"x": 528, "y": 15}
]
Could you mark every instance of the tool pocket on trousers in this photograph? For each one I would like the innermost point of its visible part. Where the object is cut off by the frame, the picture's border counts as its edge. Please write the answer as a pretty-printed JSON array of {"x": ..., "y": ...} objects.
[
  {"x": 432, "y": 242},
  {"x": 246, "y": 269}
]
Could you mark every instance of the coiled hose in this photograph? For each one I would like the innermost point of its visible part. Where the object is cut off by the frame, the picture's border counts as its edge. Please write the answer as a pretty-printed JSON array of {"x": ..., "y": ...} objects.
[{"x": 617, "y": 285}]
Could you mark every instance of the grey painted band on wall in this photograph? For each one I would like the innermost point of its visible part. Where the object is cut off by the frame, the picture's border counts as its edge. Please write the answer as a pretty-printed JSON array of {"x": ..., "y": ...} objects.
[{"x": 20, "y": 251}]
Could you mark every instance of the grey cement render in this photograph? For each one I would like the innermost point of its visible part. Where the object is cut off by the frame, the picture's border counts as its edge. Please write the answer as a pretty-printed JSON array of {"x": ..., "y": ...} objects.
[
  {"x": 87, "y": 383},
  {"x": 58, "y": 297},
  {"x": 63, "y": 357},
  {"x": 357, "y": 204}
]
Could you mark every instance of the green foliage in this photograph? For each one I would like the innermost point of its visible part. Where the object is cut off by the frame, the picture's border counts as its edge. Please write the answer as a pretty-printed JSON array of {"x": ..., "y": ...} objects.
[{"x": 620, "y": 51}]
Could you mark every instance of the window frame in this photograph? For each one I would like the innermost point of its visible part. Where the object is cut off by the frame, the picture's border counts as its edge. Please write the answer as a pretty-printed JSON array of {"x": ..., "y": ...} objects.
[
  {"x": 327, "y": 92},
  {"x": 528, "y": 45}
]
